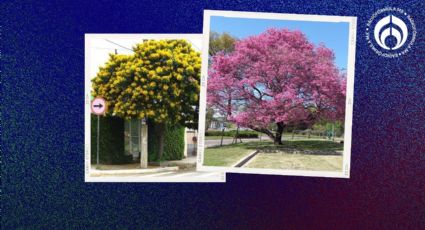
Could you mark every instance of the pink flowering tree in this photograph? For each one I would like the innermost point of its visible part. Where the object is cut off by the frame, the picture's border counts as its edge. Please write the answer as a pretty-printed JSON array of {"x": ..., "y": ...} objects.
[{"x": 276, "y": 79}]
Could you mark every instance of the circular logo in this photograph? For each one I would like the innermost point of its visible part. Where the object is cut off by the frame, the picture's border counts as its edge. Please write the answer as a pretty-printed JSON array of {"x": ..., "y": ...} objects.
[{"x": 390, "y": 32}]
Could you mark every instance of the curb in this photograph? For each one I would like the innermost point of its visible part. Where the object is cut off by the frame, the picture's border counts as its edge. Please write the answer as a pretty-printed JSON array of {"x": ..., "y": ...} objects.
[{"x": 245, "y": 160}]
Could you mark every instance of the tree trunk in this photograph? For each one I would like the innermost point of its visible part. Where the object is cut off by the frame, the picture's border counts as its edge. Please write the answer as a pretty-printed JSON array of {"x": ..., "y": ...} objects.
[
  {"x": 278, "y": 136},
  {"x": 263, "y": 130},
  {"x": 235, "y": 139},
  {"x": 222, "y": 136},
  {"x": 278, "y": 139},
  {"x": 161, "y": 134}
]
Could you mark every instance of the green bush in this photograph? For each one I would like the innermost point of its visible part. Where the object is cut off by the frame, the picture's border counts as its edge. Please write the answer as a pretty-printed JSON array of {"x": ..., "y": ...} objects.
[
  {"x": 173, "y": 142},
  {"x": 232, "y": 133},
  {"x": 214, "y": 133},
  {"x": 247, "y": 135},
  {"x": 111, "y": 140}
]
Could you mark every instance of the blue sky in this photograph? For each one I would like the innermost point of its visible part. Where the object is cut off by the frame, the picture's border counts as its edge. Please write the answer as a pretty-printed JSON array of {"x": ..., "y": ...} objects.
[{"x": 333, "y": 35}]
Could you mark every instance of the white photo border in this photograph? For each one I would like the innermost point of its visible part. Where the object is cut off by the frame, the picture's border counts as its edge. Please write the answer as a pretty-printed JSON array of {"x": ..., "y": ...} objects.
[
  {"x": 345, "y": 172},
  {"x": 87, "y": 111}
]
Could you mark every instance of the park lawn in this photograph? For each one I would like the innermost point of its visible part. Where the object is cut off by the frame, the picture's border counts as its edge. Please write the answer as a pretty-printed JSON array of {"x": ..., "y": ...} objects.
[
  {"x": 290, "y": 161},
  {"x": 304, "y": 144},
  {"x": 226, "y": 155},
  {"x": 326, "y": 155}
]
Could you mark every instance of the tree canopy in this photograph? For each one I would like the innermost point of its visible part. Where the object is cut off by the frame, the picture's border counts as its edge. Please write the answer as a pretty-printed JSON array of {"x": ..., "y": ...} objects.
[
  {"x": 221, "y": 43},
  {"x": 160, "y": 82},
  {"x": 276, "y": 78}
]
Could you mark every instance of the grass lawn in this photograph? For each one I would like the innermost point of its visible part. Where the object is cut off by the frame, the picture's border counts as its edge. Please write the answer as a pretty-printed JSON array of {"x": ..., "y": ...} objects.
[
  {"x": 282, "y": 160},
  {"x": 305, "y": 144},
  {"x": 226, "y": 155},
  {"x": 293, "y": 154}
]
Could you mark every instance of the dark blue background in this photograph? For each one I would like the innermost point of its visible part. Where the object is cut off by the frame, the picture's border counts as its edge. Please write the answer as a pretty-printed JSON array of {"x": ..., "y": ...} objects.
[{"x": 42, "y": 68}]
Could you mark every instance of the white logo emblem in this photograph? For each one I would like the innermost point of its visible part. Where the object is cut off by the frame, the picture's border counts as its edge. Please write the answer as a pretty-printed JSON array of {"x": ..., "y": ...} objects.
[
  {"x": 400, "y": 34},
  {"x": 391, "y": 27}
]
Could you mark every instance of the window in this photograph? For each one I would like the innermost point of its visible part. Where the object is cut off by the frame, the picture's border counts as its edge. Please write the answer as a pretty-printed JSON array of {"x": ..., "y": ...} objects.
[{"x": 132, "y": 138}]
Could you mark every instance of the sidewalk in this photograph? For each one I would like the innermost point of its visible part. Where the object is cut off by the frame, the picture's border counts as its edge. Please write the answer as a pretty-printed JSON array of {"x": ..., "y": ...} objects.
[
  {"x": 134, "y": 168},
  {"x": 129, "y": 169},
  {"x": 186, "y": 163},
  {"x": 190, "y": 175}
]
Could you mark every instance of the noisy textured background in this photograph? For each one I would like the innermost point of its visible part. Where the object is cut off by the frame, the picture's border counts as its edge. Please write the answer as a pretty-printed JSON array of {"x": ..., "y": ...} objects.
[{"x": 42, "y": 109}]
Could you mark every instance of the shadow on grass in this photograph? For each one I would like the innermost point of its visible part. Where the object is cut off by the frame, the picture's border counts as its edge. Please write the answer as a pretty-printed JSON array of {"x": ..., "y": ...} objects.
[{"x": 310, "y": 147}]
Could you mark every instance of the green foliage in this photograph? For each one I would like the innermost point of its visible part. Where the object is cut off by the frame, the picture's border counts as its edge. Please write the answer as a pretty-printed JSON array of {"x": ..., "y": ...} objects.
[
  {"x": 221, "y": 43},
  {"x": 323, "y": 125},
  {"x": 173, "y": 142},
  {"x": 160, "y": 81},
  {"x": 209, "y": 117},
  {"x": 111, "y": 140},
  {"x": 232, "y": 133}
]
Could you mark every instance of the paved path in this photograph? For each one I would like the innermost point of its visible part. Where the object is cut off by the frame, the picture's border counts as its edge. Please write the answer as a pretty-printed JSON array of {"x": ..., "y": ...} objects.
[{"x": 170, "y": 176}]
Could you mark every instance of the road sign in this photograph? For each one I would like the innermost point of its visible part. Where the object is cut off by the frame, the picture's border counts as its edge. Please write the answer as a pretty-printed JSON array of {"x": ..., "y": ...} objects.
[{"x": 98, "y": 106}]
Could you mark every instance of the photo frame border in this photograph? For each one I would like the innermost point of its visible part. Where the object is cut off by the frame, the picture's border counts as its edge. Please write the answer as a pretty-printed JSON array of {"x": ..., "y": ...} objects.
[
  {"x": 349, "y": 100},
  {"x": 87, "y": 111}
]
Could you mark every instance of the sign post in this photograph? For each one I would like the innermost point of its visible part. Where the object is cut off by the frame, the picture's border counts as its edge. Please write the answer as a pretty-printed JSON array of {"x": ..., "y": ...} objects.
[{"x": 98, "y": 107}]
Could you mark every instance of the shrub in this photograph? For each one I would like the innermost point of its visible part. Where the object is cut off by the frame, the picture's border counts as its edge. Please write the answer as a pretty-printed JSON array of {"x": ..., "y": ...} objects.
[
  {"x": 248, "y": 135},
  {"x": 111, "y": 148},
  {"x": 232, "y": 133},
  {"x": 173, "y": 142},
  {"x": 111, "y": 140},
  {"x": 214, "y": 133}
]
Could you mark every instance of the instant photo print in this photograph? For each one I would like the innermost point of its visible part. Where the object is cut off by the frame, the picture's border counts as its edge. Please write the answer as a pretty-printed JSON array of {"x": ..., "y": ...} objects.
[
  {"x": 277, "y": 94},
  {"x": 141, "y": 93}
]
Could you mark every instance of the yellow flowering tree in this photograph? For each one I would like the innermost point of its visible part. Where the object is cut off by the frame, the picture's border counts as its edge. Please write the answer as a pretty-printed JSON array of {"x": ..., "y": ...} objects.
[{"x": 159, "y": 82}]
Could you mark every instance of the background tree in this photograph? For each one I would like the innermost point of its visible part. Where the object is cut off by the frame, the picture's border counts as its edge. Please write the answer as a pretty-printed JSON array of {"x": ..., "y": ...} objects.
[
  {"x": 159, "y": 82},
  {"x": 209, "y": 116},
  {"x": 221, "y": 43},
  {"x": 277, "y": 77}
]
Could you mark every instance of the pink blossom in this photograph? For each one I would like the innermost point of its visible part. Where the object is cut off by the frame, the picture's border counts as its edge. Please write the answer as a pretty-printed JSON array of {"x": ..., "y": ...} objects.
[{"x": 277, "y": 77}]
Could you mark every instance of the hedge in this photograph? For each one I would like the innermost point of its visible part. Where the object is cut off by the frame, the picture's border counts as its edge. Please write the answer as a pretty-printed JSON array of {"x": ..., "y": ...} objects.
[
  {"x": 111, "y": 146},
  {"x": 173, "y": 143},
  {"x": 232, "y": 133}
]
